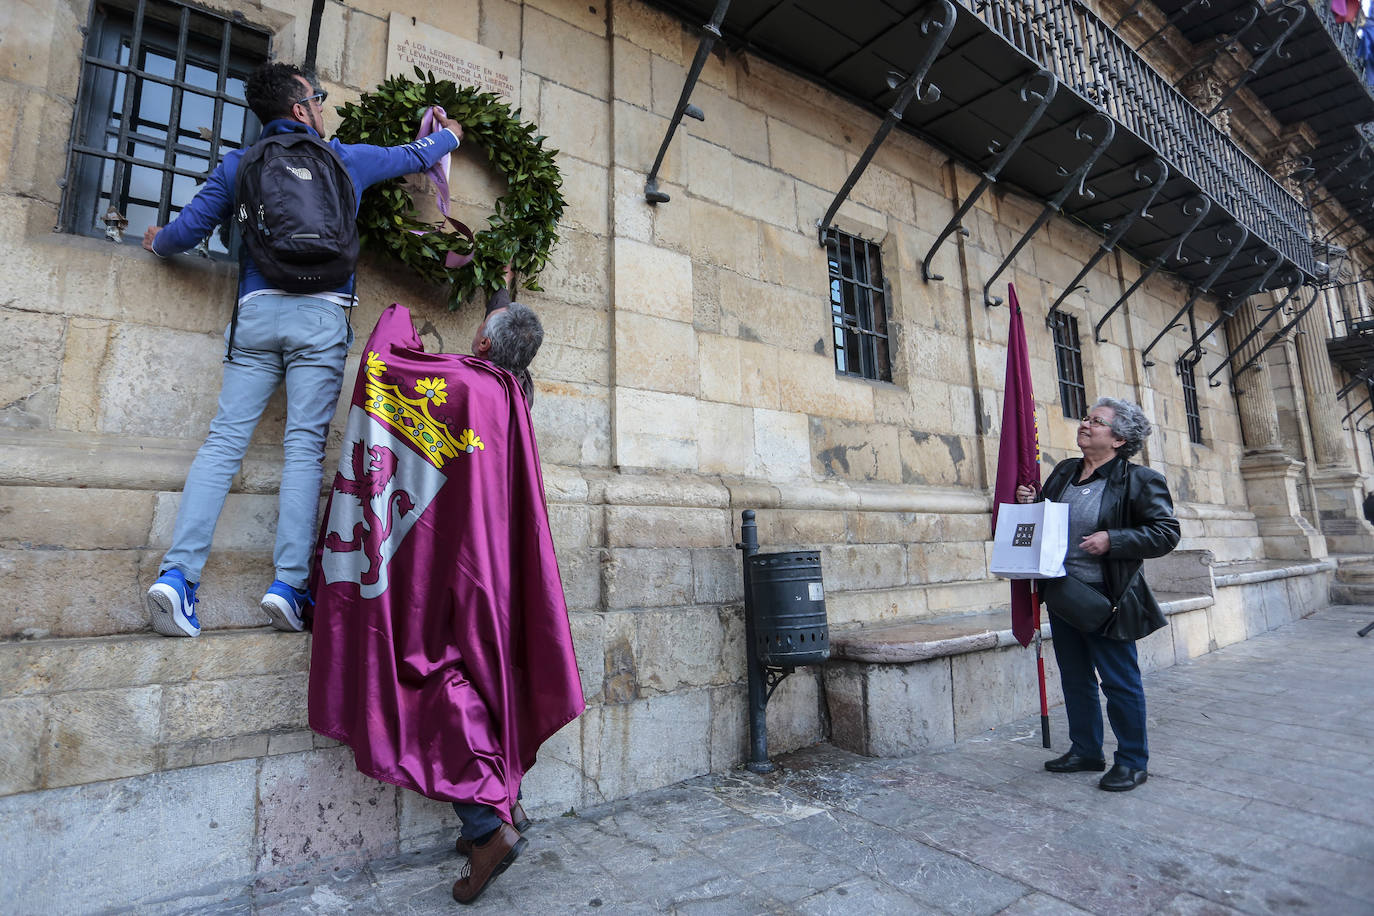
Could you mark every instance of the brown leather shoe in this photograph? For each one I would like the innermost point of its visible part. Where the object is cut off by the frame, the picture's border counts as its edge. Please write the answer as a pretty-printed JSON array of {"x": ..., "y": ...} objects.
[
  {"x": 487, "y": 861},
  {"x": 463, "y": 846}
]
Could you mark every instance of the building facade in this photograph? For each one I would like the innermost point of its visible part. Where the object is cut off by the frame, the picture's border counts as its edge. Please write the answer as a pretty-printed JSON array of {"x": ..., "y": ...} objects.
[{"x": 726, "y": 348}]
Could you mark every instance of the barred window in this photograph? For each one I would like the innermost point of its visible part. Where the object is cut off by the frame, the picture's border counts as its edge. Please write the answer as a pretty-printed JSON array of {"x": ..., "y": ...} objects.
[
  {"x": 160, "y": 103},
  {"x": 1068, "y": 359},
  {"x": 1186, "y": 372},
  {"x": 858, "y": 306}
]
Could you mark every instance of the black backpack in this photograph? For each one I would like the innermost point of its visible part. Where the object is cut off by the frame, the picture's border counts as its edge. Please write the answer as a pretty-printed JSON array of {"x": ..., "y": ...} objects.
[{"x": 296, "y": 213}]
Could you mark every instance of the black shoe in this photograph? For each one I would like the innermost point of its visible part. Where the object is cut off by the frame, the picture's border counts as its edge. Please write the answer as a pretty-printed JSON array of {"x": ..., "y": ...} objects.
[
  {"x": 1121, "y": 778},
  {"x": 1075, "y": 763}
]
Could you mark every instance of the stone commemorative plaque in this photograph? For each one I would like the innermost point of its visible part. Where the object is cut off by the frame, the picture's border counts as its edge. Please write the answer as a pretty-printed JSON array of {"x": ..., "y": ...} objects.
[{"x": 411, "y": 43}]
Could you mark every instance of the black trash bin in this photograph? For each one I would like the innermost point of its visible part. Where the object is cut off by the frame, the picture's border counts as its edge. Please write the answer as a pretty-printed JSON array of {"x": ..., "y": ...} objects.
[{"x": 788, "y": 599}]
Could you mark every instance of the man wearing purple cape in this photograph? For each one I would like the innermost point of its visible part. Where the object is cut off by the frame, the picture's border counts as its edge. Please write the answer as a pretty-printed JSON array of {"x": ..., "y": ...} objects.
[{"x": 441, "y": 651}]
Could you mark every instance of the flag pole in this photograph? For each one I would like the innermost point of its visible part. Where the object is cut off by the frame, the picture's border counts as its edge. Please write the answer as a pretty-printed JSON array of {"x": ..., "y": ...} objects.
[{"x": 1040, "y": 670}]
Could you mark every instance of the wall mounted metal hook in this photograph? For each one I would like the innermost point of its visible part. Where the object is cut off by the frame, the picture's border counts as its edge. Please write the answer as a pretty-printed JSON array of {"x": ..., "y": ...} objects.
[
  {"x": 1039, "y": 100},
  {"x": 1077, "y": 181}
]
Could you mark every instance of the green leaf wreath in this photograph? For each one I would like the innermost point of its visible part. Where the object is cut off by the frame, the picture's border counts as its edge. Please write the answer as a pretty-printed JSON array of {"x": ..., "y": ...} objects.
[{"x": 524, "y": 226}]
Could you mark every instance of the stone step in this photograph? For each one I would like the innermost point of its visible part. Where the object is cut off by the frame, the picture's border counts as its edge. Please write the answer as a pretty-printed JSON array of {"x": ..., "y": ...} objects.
[
  {"x": 1352, "y": 592},
  {"x": 83, "y": 710}
]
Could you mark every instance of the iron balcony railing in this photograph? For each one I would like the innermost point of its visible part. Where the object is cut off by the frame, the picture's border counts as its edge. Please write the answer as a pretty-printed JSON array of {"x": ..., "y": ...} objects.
[
  {"x": 1088, "y": 57},
  {"x": 1344, "y": 34}
]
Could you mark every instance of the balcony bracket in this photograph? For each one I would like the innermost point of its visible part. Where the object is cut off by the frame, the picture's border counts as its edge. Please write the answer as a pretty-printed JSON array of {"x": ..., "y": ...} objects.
[
  {"x": 1241, "y": 236},
  {"x": 1277, "y": 336},
  {"x": 1197, "y": 207},
  {"x": 1290, "y": 15},
  {"x": 1077, "y": 182},
  {"x": 1352, "y": 410},
  {"x": 1245, "y": 20},
  {"x": 1235, "y": 303},
  {"x": 938, "y": 25},
  {"x": 1153, "y": 174},
  {"x": 709, "y": 33},
  {"x": 1029, "y": 93},
  {"x": 1182, "y": 11}
]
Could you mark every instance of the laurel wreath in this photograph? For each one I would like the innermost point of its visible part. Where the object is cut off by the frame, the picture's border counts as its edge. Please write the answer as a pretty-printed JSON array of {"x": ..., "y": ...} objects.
[{"x": 522, "y": 229}]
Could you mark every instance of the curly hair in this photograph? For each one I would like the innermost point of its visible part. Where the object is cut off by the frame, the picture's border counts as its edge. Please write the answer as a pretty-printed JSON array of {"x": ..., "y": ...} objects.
[
  {"x": 1129, "y": 423},
  {"x": 515, "y": 333},
  {"x": 272, "y": 89}
]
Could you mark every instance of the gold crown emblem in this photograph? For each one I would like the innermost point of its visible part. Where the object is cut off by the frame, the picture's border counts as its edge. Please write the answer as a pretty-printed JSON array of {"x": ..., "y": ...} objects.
[{"x": 410, "y": 416}]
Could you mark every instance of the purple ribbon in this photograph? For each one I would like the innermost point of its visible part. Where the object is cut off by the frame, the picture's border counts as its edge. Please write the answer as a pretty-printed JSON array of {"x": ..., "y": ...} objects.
[{"x": 438, "y": 173}]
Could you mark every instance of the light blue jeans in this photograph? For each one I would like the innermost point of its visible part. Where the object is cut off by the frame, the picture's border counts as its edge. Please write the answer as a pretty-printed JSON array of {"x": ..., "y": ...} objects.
[{"x": 303, "y": 340}]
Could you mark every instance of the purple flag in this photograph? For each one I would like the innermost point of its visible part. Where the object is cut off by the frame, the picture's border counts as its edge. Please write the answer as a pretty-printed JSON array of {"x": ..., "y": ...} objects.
[
  {"x": 441, "y": 651},
  {"x": 1018, "y": 456}
]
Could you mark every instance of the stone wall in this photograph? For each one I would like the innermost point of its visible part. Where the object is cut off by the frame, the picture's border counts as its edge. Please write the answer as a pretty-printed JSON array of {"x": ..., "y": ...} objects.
[{"x": 687, "y": 374}]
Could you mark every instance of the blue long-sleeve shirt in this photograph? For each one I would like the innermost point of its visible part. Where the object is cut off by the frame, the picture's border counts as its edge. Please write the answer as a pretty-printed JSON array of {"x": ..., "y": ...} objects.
[{"x": 367, "y": 165}]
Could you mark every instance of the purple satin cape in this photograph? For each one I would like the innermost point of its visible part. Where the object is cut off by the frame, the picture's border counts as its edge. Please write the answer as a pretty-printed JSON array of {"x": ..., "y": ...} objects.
[{"x": 441, "y": 651}]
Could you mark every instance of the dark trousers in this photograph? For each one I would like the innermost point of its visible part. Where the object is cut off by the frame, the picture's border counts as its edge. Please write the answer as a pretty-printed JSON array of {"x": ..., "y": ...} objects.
[
  {"x": 1083, "y": 658},
  {"x": 478, "y": 820}
]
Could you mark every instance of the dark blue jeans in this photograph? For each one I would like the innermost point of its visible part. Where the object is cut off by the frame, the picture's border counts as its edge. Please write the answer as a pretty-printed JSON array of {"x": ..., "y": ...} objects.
[
  {"x": 1083, "y": 658},
  {"x": 478, "y": 820}
]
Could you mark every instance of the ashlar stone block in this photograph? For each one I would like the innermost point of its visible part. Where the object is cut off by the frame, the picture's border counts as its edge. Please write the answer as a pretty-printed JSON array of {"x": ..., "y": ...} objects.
[
  {"x": 647, "y": 578},
  {"x": 648, "y": 743},
  {"x": 316, "y": 810},
  {"x": 855, "y": 566},
  {"x": 196, "y": 823},
  {"x": 630, "y": 75},
  {"x": 241, "y": 706},
  {"x": 724, "y": 237},
  {"x": 890, "y": 710},
  {"x": 680, "y": 650},
  {"x": 782, "y": 446},
  {"x": 79, "y": 519},
  {"x": 21, "y": 724},
  {"x": 95, "y": 735},
  {"x": 652, "y": 281},
  {"x": 655, "y": 430},
  {"x": 1191, "y": 634},
  {"x": 655, "y": 354},
  {"x": 725, "y": 443},
  {"x": 667, "y": 527},
  {"x": 565, "y": 54},
  {"x": 855, "y": 451},
  {"x": 717, "y": 575}
]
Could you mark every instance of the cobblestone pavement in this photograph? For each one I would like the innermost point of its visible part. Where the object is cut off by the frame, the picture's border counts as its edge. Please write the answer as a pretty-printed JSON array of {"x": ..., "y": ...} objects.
[{"x": 1260, "y": 800}]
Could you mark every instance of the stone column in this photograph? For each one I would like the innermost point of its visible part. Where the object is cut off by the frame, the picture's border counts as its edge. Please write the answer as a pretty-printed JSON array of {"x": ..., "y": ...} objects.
[
  {"x": 1339, "y": 487},
  {"x": 1271, "y": 476}
]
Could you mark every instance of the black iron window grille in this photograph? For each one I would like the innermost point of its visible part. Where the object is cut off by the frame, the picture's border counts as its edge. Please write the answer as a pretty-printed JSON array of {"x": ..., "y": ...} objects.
[
  {"x": 1187, "y": 373},
  {"x": 858, "y": 306},
  {"x": 1068, "y": 360},
  {"x": 160, "y": 102}
]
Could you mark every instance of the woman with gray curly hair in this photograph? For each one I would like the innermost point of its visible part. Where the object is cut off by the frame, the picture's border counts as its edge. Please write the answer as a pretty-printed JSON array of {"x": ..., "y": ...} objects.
[{"x": 1120, "y": 514}]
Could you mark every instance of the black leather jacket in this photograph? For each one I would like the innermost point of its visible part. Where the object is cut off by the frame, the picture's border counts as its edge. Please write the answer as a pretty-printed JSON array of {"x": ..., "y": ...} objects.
[{"x": 1138, "y": 515}]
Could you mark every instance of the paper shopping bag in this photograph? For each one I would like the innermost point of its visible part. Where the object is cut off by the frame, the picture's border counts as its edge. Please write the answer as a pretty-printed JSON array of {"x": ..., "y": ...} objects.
[{"x": 1031, "y": 540}]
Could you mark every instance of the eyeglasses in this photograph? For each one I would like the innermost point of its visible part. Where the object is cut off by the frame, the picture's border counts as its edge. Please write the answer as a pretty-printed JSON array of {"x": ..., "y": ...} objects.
[
  {"x": 1095, "y": 421},
  {"x": 314, "y": 97}
]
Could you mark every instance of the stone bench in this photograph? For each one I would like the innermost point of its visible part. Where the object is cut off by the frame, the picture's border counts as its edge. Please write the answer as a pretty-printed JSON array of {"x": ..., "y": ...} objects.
[{"x": 910, "y": 685}]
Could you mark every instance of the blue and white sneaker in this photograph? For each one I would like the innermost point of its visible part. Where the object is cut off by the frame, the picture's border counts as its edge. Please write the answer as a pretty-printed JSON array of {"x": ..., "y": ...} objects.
[
  {"x": 283, "y": 604},
  {"x": 172, "y": 605}
]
